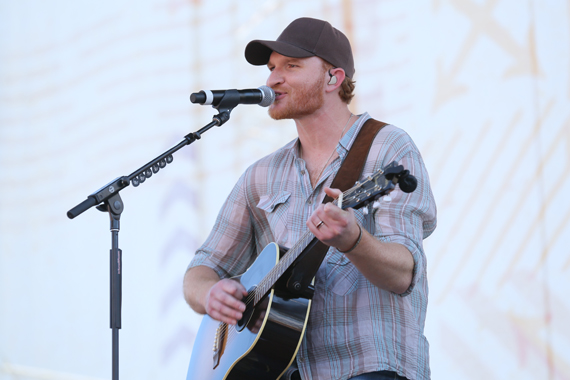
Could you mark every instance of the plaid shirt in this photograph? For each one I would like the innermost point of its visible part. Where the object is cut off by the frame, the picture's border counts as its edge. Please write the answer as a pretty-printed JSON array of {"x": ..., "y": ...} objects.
[{"x": 354, "y": 327}]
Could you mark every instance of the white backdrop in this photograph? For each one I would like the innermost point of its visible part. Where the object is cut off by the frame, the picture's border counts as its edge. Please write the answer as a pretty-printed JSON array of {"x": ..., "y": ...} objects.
[{"x": 90, "y": 91}]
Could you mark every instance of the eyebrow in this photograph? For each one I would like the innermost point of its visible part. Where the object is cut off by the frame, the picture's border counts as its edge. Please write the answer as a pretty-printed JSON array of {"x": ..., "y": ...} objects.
[{"x": 289, "y": 60}]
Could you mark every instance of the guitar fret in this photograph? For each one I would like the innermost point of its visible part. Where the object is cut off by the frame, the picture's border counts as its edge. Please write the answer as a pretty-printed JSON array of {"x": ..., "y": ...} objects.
[
  {"x": 361, "y": 194},
  {"x": 278, "y": 270},
  {"x": 356, "y": 193}
]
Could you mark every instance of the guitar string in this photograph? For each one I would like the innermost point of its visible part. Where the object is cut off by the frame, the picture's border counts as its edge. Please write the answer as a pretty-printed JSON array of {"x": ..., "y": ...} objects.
[
  {"x": 253, "y": 293},
  {"x": 290, "y": 256},
  {"x": 286, "y": 259},
  {"x": 270, "y": 275},
  {"x": 301, "y": 242}
]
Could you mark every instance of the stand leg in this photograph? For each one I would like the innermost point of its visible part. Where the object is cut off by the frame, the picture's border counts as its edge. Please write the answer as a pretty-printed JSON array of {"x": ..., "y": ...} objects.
[
  {"x": 115, "y": 208},
  {"x": 116, "y": 307},
  {"x": 115, "y": 354}
]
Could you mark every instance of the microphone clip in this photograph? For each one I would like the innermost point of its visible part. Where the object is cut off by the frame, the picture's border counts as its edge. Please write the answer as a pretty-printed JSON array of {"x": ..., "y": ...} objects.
[
  {"x": 222, "y": 116},
  {"x": 229, "y": 101}
]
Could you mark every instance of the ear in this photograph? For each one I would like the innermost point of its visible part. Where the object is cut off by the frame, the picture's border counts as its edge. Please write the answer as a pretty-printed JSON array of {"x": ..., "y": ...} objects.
[{"x": 336, "y": 76}]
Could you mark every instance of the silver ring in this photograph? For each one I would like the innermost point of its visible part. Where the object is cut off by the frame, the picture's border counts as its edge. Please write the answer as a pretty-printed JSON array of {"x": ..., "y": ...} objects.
[{"x": 320, "y": 224}]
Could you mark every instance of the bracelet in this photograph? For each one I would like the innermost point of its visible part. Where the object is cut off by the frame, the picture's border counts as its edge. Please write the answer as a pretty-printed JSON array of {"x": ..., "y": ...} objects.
[{"x": 357, "y": 241}]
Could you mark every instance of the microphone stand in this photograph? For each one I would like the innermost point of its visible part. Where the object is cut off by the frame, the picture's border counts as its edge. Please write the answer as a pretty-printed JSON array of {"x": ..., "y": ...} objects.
[{"x": 108, "y": 199}]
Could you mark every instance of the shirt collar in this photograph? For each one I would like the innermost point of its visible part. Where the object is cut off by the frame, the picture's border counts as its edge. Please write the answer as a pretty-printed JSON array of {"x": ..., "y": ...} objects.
[
  {"x": 345, "y": 142},
  {"x": 348, "y": 139}
]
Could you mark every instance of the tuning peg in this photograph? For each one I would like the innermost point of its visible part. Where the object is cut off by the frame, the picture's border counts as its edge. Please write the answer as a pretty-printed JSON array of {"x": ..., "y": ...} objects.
[{"x": 408, "y": 182}]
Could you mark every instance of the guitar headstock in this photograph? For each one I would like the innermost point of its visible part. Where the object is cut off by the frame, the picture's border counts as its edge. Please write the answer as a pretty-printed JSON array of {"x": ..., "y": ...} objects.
[{"x": 377, "y": 185}]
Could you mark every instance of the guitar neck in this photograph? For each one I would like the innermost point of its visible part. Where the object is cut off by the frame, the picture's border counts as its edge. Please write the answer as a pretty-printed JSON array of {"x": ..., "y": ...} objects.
[
  {"x": 288, "y": 259},
  {"x": 282, "y": 266},
  {"x": 379, "y": 184}
]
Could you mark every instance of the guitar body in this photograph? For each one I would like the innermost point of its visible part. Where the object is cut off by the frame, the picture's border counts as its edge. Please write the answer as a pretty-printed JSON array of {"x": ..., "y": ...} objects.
[
  {"x": 265, "y": 342},
  {"x": 262, "y": 352}
]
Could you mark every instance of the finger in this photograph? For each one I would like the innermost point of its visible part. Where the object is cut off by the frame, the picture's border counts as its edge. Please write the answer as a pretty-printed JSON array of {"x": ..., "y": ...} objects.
[
  {"x": 312, "y": 227},
  {"x": 317, "y": 222},
  {"x": 216, "y": 315},
  {"x": 224, "y": 313},
  {"x": 333, "y": 193},
  {"x": 321, "y": 213},
  {"x": 230, "y": 312},
  {"x": 313, "y": 220},
  {"x": 329, "y": 214},
  {"x": 233, "y": 287},
  {"x": 314, "y": 223},
  {"x": 333, "y": 214},
  {"x": 218, "y": 299},
  {"x": 231, "y": 301},
  {"x": 240, "y": 291}
]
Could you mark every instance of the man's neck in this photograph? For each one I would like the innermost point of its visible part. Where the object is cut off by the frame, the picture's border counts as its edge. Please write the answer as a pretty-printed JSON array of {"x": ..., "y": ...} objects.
[
  {"x": 321, "y": 131},
  {"x": 319, "y": 135}
]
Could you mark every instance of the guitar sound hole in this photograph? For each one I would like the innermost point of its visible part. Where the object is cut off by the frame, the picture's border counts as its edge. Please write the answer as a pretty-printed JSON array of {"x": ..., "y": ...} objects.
[
  {"x": 249, "y": 309},
  {"x": 243, "y": 322},
  {"x": 253, "y": 317}
]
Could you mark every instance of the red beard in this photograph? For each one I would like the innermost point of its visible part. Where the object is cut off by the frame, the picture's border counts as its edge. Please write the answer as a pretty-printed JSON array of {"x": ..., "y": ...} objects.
[{"x": 301, "y": 101}]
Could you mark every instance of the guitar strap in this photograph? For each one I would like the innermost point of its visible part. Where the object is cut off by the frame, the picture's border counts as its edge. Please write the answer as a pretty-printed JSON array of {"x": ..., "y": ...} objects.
[
  {"x": 349, "y": 172},
  {"x": 353, "y": 164},
  {"x": 308, "y": 263}
]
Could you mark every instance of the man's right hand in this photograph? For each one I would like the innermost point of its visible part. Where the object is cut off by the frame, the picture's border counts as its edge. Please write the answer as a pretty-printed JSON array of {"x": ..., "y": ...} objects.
[{"x": 223, "y": 301}]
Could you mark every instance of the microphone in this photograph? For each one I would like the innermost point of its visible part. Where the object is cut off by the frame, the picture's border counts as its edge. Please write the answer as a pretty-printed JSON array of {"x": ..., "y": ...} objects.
[{"x": 264, "y": 96}]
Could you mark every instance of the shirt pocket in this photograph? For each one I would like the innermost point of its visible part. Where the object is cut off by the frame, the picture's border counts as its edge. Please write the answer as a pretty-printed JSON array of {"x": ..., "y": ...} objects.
[
  {"x": 276, "y": 207},
  {"x": 342, "y": 276}
]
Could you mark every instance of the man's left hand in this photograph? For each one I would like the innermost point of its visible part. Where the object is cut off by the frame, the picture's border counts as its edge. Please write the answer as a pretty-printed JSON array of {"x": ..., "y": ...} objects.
[{"x": 332, "y": 225}]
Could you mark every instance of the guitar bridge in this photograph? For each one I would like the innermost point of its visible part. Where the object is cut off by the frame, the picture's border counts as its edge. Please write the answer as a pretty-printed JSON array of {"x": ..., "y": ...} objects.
[{"x": 220, "y": 342}]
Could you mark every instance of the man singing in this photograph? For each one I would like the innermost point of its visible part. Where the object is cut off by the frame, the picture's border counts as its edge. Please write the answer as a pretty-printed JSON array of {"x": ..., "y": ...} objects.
[{"x": 369, "y": 306}]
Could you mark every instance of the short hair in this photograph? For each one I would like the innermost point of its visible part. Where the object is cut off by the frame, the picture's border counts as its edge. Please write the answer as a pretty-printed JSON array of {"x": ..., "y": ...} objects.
[{"x": 346, "y": 90}]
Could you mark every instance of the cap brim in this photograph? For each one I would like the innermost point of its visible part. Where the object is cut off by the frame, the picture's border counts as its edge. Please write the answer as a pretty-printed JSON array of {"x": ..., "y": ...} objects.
[{"x": 257, "y": 52}]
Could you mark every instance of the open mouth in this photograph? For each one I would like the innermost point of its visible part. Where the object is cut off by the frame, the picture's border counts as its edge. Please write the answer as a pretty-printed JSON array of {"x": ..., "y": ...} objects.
[{"x": 279, "y": 95}]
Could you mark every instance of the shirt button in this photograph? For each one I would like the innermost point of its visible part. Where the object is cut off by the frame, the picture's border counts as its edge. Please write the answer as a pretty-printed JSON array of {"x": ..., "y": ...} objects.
[
  {"x": 309, "y": 201},
  {"x": 302, "y": 172}
]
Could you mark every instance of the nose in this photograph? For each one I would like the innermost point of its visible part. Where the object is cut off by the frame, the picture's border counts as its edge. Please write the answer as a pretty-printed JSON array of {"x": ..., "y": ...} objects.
[{"x": 275, "y": 77}]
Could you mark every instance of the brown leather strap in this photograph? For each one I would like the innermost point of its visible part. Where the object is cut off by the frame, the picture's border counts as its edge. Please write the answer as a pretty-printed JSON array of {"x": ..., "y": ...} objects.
[
  {"x": 353, "y": 164},
  {"x": 308, "y": 263}
]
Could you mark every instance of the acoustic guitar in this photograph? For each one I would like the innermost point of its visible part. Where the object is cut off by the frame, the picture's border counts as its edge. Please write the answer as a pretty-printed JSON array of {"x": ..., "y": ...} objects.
[{"x": 265, "y": 341}]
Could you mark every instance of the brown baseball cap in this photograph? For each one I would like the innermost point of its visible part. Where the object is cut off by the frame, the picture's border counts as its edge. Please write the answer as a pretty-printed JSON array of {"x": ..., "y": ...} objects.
[{"x": 306, "y": 37}]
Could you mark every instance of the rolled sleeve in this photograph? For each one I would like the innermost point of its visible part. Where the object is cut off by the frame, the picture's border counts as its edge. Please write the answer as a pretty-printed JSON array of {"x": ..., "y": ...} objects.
[{"x": 407, "y": 218}]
